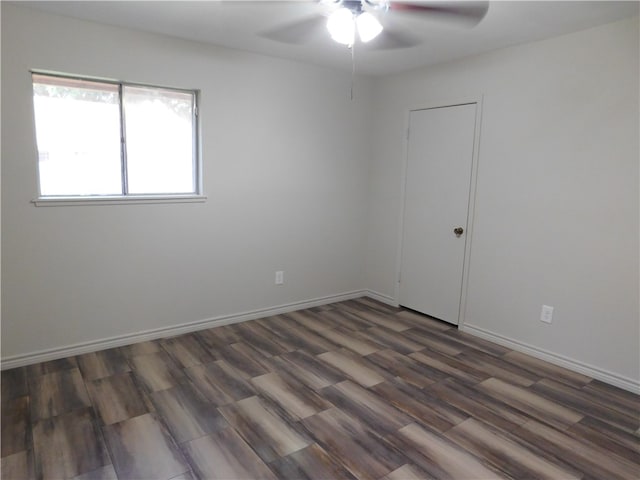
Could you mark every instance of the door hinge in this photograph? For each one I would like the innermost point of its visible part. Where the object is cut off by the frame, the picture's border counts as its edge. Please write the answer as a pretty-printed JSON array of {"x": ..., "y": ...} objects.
[
  {"x": 195, "y": 110},
  {"x": 399, "y": 277}
]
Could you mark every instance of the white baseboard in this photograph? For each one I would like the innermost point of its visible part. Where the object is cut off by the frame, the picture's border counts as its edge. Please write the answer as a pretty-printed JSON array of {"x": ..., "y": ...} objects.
[
  {"x": 382, "y": 298},
  {"x": 153, "y": 334},
  {"x": 562, "y": 361}
]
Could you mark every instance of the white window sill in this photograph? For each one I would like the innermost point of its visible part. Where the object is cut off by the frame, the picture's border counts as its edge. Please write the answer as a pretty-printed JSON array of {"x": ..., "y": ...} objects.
[{"x": 116, "y": 200}]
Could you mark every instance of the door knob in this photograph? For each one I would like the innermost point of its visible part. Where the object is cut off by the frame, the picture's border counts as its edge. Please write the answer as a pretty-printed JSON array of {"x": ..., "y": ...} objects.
[{"x": 458, "y": 231}]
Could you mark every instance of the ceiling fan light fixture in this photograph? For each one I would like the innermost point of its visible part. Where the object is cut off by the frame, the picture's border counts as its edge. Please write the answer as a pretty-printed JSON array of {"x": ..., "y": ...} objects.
[
  {"x": 341, "y": 26},
  {"x": 368, "y": 26}
]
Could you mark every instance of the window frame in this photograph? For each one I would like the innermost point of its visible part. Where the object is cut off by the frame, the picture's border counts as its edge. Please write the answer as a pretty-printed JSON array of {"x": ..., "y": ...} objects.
[{"x": 125, "y": 197}]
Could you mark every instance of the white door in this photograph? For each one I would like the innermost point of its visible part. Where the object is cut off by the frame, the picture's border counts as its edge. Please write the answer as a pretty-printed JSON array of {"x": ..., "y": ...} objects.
[{"x": 438, "y": 181}]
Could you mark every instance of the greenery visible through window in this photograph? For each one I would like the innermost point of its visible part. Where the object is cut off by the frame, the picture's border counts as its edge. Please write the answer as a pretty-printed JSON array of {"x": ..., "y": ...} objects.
[{"x": 99, "y": 138}]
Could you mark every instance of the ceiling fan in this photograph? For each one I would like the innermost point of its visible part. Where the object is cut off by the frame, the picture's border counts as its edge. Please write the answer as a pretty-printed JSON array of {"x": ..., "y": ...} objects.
[{"x": 369, "y": 21}]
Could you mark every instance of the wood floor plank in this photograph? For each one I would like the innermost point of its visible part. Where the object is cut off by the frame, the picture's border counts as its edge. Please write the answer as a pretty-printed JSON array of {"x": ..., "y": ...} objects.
[
  {"x": 184, "y": 476},
  {"x": 141, "y": 448},
  {"x": 310, "y": 463},
  {"x": 346, "y": 339},
  {"x": 498, "y": 368},
  {"x": 431, "y": 340},
  {"x": 267, "y": 433},
  {"x": 449, "y": 366},
  {"x": 476, "y": 343},
  {"x": 628, "y": 449},
  {"x": 530, "y": 403},
  {"x": 311, "y": 321},
  {"x": 402, "y": 366},
  {"x": 52, "y": 366},
  {"x": 347, "y": 320},
  {"x": 431, "y": 412},
  {"x": 392, "y": 340},
  {"x": 142, "y": 348},
  {"x": 277, "y": 323},
  {"x": 287, "y": 339},
  {"x": 224, "y": 455},
  {"x": 450, "y": 339},
  {"x": 546, "y": 369},
  {"x": 187, "y": 414},
  {"x": 357, "y": 449},
  {"x": 116, "y": 398},
  {"x": 309, "y": 341},
  {"x": 365, "y": 406},
  {"x": 321, "y": 308},
  {"x": 613, "y": 397},
  {"x": 349, "y": 306},
  {"x": 57, "y": 393},
  {"x": 15, "y": 426},
  {"x": 414, "y": 319},
  {"x": 478, "y": 404},
  {"x": 19, "y": 466},
  {"x": 217, "y": 338},
  {"x": 436, "y": 340},
  {"x": 356, "y": 368},
  {"x": 68, "y": 445},
  {"x": 579, "y": 401},
  {"x": 292, "y": 396},
  {"x": 220, "y": 382},
  {"x": 102, "y": 364},
  {"x": 103, "y": 473},
  {"x": 376, "y": 305},
  {"x": 240, "y": 357},
  {"x": 505, "y": 454},
  {"x": 186, "y": 350},
  {"x": 13, "y": 383},
  {"x": 279, "y": 341},
  {"x": 309, "y": 370},
  {"x": 407, "y": 472},
  {"x": 254, "y": 357},
  {"x": 615, "y": 435},
  {"x": 440, "y": 457},
  {"x": 260, "y": 339},
  {"x": 581, "y": 454},
  {"x": 390, "y": 322},
  {"x": 156, "y": 371}
]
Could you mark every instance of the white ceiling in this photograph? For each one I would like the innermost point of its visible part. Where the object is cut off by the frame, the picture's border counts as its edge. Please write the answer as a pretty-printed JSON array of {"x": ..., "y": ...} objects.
[{"x": 238, "y": 24}]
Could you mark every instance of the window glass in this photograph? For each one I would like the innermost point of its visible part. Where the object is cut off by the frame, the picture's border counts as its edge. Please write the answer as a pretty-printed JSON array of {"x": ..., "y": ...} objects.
[
  {"x": 78, "y": 136},
  {"x": 159, "y": 139}
]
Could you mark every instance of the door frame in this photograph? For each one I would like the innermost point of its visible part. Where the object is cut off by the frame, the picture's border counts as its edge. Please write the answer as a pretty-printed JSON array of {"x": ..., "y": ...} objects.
[{"x": 427, "y": 105}]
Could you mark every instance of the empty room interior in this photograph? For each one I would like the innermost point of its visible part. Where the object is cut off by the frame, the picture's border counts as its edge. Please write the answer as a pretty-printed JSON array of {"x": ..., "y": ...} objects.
[{"x": 322, "y": 239}]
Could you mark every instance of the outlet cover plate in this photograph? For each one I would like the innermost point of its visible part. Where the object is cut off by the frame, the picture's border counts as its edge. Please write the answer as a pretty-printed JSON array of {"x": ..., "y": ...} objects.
[{"x": 546, "y": 315}]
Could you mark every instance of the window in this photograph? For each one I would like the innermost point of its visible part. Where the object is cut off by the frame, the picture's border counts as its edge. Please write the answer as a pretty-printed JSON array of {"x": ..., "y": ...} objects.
[{"x": 101, "y": 139}]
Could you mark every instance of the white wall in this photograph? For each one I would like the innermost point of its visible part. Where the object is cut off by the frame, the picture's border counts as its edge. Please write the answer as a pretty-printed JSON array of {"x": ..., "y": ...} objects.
[
  {"x": 284, "y": 154},
  {"x": 557, "y": 193}
]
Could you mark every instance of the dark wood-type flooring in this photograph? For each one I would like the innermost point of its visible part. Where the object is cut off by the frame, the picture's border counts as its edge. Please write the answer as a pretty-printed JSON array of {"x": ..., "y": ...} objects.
[{"x": 355, "y": 389}]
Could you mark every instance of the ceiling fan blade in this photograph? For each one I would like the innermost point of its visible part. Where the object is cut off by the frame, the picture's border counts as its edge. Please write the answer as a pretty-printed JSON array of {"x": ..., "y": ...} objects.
[
  {"x": 391, "y": 39},
  {"x": 466, "y": 12},
  {"x": 298, "y": 32}
]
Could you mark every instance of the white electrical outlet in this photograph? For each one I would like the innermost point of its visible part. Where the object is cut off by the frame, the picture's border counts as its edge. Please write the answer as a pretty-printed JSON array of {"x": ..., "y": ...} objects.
[
  {"x": 546, "y": 315},
  {"x": 279, "y": 277}
]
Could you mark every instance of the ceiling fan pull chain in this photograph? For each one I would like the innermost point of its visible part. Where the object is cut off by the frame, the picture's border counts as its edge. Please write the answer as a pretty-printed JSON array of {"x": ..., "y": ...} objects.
[{"x": 353, "y": 68}]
